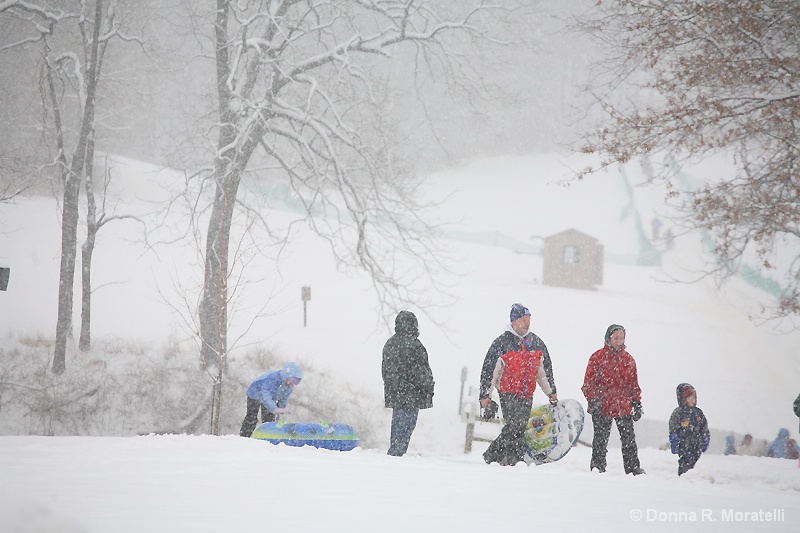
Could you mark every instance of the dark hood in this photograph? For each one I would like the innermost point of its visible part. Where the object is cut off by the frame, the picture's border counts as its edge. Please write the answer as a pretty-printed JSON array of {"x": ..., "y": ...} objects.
[
  {"x": 406, "y": 324},
  {"x": 683, "y": 391}
]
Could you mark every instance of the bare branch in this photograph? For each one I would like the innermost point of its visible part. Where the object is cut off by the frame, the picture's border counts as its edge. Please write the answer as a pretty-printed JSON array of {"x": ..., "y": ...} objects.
[{"x": 711, "y": 78}]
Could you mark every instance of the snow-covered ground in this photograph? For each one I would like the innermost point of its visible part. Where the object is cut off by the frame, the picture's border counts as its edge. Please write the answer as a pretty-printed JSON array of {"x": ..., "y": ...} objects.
[
  {"x": 213, "y": 484},
  {"x": 745, "y": 372}
]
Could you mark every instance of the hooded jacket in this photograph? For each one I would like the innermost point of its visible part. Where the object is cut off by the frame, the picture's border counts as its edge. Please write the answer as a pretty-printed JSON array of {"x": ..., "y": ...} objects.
[
  {"x": 611, "y": 378},
  {"x": 688, "y": 425},
  {"x": 407, "y": 377},
  {"x": 271, "y": 390},
  {"x": 783, "y": 447},
  {"x": 796, "y": 406}
]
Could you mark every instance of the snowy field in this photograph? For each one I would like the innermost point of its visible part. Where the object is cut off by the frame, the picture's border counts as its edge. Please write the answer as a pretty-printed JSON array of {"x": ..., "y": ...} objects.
[
  {"x": 745, "y": 371},
  {"x": 213, "y": 484}
]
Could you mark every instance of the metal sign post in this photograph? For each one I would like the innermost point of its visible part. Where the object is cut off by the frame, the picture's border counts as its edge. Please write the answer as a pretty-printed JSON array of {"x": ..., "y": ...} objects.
[
  {"x": 461, "y": 399},
  {"x": 305, "y": 294}
]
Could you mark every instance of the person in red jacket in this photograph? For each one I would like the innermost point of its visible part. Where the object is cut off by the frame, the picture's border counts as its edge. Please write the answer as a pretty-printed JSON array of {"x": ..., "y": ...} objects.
[
  {"x": 611, "y": 386},
  {"x": 517, "y": 369}
]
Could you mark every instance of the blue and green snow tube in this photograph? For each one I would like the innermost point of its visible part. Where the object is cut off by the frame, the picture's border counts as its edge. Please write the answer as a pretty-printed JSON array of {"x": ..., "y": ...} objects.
[{"x": 326, "y": 435}]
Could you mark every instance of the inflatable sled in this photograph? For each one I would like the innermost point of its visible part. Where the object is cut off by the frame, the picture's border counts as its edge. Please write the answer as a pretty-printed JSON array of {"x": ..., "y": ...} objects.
[
  {"x": 552, "y": 431},
  {"x": 324, "y": 435}
]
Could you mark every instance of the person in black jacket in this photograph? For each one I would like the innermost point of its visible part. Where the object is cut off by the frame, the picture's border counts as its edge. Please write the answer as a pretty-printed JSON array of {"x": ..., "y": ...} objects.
[
  {"x": 797, "y": 406},
  {"x": 407, "y": 380},
  {"x": 688, "y": 429}
]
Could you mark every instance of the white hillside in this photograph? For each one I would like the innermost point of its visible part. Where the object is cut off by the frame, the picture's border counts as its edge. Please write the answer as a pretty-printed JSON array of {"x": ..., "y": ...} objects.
[{"x": 745, "y": 371}]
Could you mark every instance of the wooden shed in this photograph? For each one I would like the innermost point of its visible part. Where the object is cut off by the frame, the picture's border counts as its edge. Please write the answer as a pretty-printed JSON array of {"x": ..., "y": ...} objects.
[{"x": 573, "y": 259}]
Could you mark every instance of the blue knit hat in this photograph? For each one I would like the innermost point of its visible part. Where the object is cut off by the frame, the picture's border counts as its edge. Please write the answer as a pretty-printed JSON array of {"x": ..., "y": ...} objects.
[{"x": 518, "y": 311}]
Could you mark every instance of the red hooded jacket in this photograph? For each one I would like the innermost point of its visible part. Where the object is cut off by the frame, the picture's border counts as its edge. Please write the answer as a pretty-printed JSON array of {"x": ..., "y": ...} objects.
[{"x": 611, "y": 378}]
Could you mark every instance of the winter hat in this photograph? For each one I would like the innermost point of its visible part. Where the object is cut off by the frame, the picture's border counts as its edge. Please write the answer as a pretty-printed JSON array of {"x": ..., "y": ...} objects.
[
  {"x": 683, "y": 391},
  {"x": 610, "y": 331},
  {"x": 518, "y": 311}
]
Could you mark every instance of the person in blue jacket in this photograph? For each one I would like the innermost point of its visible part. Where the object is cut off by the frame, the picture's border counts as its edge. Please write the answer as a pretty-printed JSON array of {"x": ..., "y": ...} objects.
[
  {"x": 688, "y": 429},
  {"x": 730, "y": 447},
  {"x": 783, "y": 447},
  {"x": 269, "y": 393}
]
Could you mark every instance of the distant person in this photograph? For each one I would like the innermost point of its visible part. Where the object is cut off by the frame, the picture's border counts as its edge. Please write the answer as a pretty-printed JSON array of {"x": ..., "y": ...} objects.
[
  {"x": 513, "y": 365},
  {"x": 748, "y": 447},
  {"x": 797, "y": 406},
  {"x": 655, "y": 224},
  {"x": 688, "y": 429},
  {"x": 270, "y": 393},
  {"x": 611, "y": 386},
  {"x": 407, "y": 380},
  {"x": 783, "y": 447},
  {"x": 730, "y": 447}
]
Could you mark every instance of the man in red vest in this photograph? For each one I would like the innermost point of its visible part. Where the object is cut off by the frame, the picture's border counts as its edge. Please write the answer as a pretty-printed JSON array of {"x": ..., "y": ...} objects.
[{"x": 516, "y": 360}]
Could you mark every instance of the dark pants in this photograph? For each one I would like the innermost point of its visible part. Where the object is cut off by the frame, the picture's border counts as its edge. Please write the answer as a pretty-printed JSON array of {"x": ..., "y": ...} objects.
[
  {"x": 690, "y": 452},
  {"x": 602, "y": 430},
  {"x": 510, "y": 445},
  {"x": 686, "y": 462},
  {"x": 251, "y": 418},
  {"x": 403, "y": 423}
]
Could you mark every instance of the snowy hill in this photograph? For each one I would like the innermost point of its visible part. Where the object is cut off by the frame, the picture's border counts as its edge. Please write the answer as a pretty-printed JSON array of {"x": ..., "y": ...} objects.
[
  {"x": 497, "y": 211},
  {"x": 744, "y": 370}
]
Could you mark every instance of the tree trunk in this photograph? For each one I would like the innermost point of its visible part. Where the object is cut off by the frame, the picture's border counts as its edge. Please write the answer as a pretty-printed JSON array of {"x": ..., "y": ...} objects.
[
  {"x": 213, "y": 309},
  {"x": 213, "y": 312},
  {"x": 69, "y": 218},
  {"x": 216, "y": 402},
  {"x": 87, "y": 250},
  {"x": 69, "y": 227}
]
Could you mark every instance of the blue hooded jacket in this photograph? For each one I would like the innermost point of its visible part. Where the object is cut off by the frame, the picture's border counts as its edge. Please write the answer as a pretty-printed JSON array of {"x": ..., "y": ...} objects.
[
  {"x": 780, "y": 447},
  {"x": 271, "y": 390}
]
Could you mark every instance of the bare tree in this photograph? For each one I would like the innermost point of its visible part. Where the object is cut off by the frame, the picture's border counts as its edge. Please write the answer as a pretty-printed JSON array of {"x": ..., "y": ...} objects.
[
  {"x": 713, "y": 77},
  {"x": 97, "y": 216},
  {"x": 71, "y": 39},
  {"x": 12, "y": 180},
  {"x": 300, "y": 89}
]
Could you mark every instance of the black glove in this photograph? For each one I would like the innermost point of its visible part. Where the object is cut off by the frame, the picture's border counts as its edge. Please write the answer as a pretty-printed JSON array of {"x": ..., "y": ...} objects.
[
  {"x": 637, "y": 410},
  {"x": 594, "y": 407},
  {"x": 490, "y": 411}
]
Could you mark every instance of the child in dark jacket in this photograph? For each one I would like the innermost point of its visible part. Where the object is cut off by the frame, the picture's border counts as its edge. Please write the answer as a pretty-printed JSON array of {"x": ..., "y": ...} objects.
[{"x": 688, "y": 429}]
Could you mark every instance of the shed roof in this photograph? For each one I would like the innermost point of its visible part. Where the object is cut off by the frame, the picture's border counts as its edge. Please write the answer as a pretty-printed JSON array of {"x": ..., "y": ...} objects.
[{"x": 571, "y": 231}]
